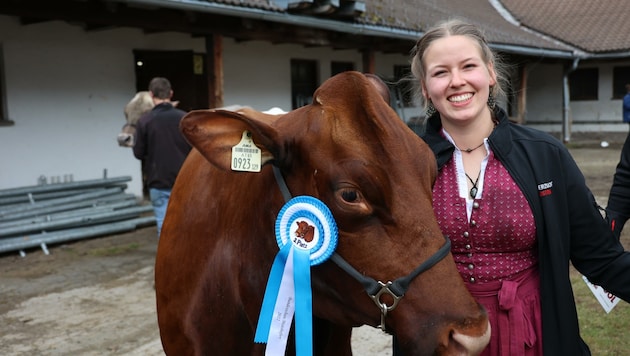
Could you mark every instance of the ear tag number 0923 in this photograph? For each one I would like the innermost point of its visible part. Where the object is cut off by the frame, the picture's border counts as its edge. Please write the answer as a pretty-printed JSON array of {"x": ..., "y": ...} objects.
[{"x": 246, "y": 157}]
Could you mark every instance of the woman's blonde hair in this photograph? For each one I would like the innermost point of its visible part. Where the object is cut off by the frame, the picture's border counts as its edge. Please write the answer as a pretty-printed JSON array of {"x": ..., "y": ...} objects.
[{"x": 454, "y": 28}]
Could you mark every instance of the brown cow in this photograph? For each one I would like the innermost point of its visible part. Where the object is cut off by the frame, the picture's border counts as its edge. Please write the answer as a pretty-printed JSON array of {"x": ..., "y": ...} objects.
[{"x": 350, "y": 150}]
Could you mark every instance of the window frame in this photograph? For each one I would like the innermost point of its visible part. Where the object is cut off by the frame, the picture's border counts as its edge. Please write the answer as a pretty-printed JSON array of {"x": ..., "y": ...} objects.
[
  {"x": 621, "y": 77},
  {"x": 304, "y": 81},
  {"x": 337, "y": 67},
  {"x": 584, "y": 84}
]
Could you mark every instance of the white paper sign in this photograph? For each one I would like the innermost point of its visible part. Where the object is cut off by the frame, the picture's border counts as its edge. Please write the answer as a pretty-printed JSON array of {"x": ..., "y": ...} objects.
[{"x": 605, "y": 298}]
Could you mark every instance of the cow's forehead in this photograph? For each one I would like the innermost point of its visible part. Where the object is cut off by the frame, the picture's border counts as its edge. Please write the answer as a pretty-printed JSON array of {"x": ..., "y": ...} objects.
[{"x": 351, "y": 108}]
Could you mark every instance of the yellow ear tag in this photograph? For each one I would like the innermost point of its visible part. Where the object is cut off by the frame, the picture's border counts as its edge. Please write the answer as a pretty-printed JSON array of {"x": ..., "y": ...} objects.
[{"x": 246, "y": 157}]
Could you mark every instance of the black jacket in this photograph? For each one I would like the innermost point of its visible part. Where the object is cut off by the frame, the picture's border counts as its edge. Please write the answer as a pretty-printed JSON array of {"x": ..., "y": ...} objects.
[
  {"x": 161, "y": 145},
  {"x": 618, "y": 209},
  {"x": 569, "y": 225}
]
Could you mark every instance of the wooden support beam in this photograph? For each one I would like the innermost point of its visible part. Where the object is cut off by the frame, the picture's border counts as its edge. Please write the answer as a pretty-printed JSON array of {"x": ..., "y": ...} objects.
[
  {"x": 214, "y": 50},
  {"x": 369, "y": 63}
]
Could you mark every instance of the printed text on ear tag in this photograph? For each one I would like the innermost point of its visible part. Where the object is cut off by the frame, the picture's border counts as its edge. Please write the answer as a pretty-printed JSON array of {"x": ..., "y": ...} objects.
[{"x": 246, "y": 157}]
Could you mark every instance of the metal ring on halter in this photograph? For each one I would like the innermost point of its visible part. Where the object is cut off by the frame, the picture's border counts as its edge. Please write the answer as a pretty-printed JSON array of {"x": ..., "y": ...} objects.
[{"x": 383, "y": 306}]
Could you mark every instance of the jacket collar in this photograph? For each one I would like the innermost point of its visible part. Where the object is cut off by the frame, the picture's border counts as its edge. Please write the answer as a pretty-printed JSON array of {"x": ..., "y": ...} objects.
[{"x": 500, "y": 139}]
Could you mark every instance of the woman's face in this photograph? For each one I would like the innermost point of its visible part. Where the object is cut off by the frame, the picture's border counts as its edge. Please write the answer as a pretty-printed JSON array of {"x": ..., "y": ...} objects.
[{"x": 457, "y": 79}]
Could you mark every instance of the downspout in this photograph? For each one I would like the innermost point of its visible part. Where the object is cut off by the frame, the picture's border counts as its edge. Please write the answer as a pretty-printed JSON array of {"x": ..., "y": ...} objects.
[{"x": 566, "y": 108}]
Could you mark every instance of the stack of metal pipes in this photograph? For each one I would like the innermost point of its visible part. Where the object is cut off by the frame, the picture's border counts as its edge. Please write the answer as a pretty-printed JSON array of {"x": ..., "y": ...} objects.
[{"x": 46, "y": 214}]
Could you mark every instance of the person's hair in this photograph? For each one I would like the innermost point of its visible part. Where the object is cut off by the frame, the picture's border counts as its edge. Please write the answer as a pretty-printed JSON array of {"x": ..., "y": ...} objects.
[
  {"x": 160, "y": 87},
  {"x": 454, "y": 28}
]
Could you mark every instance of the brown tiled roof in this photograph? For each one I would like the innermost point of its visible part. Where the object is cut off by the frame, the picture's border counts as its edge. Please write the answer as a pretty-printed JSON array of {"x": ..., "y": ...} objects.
[
  {"x": 419, "y": 15},
  {"x": 592, "y": 25},
  {"x": 570, "y": 27}
]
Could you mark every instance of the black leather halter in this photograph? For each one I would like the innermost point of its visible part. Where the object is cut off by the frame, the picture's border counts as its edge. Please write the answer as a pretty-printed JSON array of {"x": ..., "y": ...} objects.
[{"x": 375, "y": 289}]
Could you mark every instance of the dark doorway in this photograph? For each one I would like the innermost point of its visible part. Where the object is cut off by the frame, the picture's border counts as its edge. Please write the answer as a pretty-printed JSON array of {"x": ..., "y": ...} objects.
[
  {"x": 185, "y": 70},
  {"x": 303, "y": 82},
  {"x": 339, "y": 67}
]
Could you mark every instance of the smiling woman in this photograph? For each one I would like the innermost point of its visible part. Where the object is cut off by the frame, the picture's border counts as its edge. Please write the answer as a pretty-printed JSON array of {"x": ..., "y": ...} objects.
[{"x": 515, "y": 228}]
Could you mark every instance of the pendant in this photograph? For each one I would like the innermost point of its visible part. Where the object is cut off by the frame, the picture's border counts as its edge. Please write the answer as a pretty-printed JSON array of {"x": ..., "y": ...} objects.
[{"x": 473, "y": 192}]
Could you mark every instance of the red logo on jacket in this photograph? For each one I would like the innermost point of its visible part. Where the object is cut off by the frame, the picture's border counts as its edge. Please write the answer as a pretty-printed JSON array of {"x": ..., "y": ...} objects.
[{"x": 544, "y": 189}]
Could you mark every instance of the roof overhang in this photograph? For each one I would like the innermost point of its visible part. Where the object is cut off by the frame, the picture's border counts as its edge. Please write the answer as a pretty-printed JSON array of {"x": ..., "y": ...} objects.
[{"x": 349, "y": 28}]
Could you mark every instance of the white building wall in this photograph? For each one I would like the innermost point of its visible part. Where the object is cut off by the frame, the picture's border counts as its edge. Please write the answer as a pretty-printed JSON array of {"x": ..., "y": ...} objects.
[
  {"x": 545, "y": 95},
  {"x": 603, "y": 114},
  {"x": 66, "y": 89},
  {"x": 258, "y": 74}
]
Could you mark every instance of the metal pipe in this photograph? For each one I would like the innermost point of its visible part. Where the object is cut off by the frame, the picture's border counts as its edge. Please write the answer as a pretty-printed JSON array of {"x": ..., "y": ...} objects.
[
  {"x": 52, "y": 202},
  {"x": 26, "y": 198},
  {"x": 93, "y": 219},
  {"x": 22, "y": 243},
  {"x": 566, "y": 101},
  {"x": 45, "y": 210},
  {"x": 92, "y": 209},
  {"x": 63, "y": 186}
]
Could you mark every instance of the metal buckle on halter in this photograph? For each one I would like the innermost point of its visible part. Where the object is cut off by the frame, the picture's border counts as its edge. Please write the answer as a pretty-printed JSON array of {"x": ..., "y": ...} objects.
[{"x": 383, "y": 306}]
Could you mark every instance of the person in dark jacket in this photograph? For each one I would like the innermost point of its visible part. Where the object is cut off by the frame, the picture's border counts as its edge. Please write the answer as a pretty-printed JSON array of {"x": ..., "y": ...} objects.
[
  {"x": 161, "y": 145},
  {"x": 512, "y": 200},
  {"x": 625, "y": 108},
  {"x": 618, "y": 208}
]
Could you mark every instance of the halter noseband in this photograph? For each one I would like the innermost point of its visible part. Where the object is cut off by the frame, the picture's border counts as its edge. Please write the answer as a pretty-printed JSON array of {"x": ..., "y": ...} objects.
[{"x": 376, "y": 289}]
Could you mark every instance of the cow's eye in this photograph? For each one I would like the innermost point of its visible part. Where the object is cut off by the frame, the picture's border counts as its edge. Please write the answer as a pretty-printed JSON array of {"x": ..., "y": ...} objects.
[
  {"x": 352, "y": 201},
  {"x": 349, "y": 195}
]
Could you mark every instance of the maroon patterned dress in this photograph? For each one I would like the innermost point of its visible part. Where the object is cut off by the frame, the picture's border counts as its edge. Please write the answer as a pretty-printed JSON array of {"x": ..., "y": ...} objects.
[{"x": 494, "y": 246}]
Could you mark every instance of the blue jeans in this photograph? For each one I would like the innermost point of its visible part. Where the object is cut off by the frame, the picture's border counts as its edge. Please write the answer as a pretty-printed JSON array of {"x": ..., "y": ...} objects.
[{"x": 159, "y": 200}]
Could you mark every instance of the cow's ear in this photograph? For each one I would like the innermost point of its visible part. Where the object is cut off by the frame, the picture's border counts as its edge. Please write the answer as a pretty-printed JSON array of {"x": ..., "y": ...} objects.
[
  {"x": 380, "y": 86},
  {"x": 214, "y": 132}
]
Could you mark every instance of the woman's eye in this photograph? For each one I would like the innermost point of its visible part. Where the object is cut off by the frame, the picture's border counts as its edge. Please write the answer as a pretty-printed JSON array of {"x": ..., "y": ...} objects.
[{"x": 349, "y": 196}]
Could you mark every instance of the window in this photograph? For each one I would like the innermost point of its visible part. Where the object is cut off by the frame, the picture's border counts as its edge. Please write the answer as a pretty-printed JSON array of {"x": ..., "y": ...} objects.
[
  {"x": 303, "y": 82},
  {"x": 4, "y": 114},
  {"x": 621, "y": 77},
  {"x": 584, "y": 84},
  {"x": 403, "y": 86},
  {"x": 339, "y": 67}
]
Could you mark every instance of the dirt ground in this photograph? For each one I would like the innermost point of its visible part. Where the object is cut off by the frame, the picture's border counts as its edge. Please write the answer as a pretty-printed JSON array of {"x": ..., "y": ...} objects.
[{"x": 96, "y": 297}]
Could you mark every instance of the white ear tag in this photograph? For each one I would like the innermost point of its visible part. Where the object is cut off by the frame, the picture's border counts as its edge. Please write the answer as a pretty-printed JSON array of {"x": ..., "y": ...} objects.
[{"x": 246, "y": 157}]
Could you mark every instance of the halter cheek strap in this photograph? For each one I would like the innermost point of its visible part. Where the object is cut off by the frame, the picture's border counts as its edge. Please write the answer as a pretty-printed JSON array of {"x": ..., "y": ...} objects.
[{"x": 375, "y": 289}]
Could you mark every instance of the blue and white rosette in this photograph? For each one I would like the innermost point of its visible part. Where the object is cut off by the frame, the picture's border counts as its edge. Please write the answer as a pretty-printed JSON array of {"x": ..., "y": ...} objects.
[{"x": 306, "y": 233}]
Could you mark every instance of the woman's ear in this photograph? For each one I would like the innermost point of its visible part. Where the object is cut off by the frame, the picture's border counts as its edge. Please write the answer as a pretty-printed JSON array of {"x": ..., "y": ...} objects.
[
  {"x": 424, "y": 92},
  {"x": 493, "y": 74}
]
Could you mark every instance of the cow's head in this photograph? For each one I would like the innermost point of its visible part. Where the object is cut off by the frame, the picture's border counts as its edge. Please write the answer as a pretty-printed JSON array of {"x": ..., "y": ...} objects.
[
  {"x": 350, "y": 150},
  {"x": 139, "y": 105}
]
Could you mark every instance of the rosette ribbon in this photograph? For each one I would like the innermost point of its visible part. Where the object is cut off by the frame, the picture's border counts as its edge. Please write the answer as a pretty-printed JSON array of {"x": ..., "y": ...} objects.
[{"x": 306, "y": 234}]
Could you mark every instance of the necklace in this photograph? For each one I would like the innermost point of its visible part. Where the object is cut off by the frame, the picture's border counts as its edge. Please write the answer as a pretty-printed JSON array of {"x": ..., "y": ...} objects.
[
  {"x": 468, "y": 150},
  {"x": 474, "y": 189}
]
